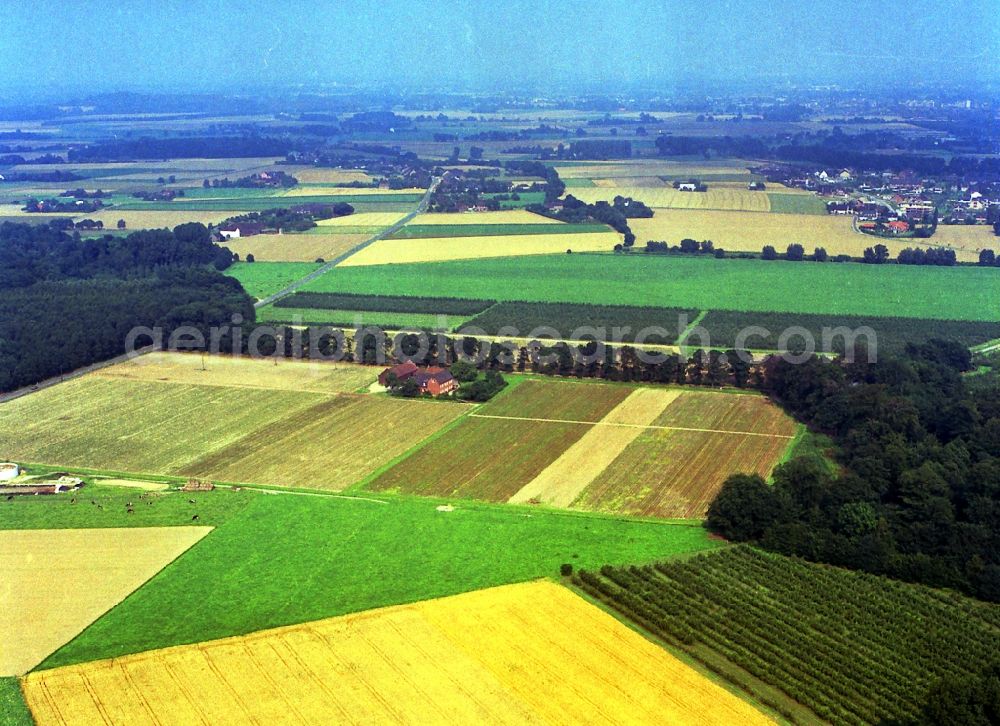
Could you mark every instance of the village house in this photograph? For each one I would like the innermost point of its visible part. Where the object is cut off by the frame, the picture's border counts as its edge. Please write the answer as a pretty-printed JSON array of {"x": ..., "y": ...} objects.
[
  {"x": 242, "y": 229},
  {"x": 898, "y": 227},
  {"x": 687, "y": 187},
  {"x": 432, "y": 379}
]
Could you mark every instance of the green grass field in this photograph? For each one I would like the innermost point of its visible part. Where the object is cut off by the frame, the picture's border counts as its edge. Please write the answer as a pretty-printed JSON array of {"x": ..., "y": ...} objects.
[
  {"x": 796, "y": 203},
  {"x": 13, "y": 709},
  {"x": 418, "y": 231},
  {"x": 691, "y": 282},
  {"x": 526, "y": 198},
  {"x": 260, "y": 279},
  {"x": 282, "y": 559}
]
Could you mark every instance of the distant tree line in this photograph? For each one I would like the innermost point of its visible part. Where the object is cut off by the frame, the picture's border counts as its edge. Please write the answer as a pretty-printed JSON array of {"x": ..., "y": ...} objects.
[{"x": 193, "y": 147}]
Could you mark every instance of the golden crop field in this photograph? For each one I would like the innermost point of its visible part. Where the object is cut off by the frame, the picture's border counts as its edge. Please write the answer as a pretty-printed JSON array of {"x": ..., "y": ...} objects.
[
  {"x": 390, "y": 251},
  {"x": 740, "y": 199},
  {"x": 157, "y": 219},
  {"x": 318, "y": 175},
  {"x": 295, "y": 247},
  {"x": 508, "y": 216},
  {"x": 528, "y": 653},
  {"x": 750, "y": 231},
  {"x": 967, "y": 239},
  {"x": 363, "y": 219},
  {"x": 284, "y": 374},
  {"x": 563, "y": 480},
  {"x": 631, "y": 181},
  {"x": 58, "y": 581},
  {"x": 256, "y": 431}
]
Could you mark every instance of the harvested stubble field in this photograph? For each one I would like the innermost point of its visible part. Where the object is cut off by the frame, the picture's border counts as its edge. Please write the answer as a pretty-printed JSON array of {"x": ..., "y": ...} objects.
[
  {"x": 158, "y": 219},
  {"x": 563, "y": 480},
  {"x": 530, "y": 653},
  {"x": 364, "y": 219},
  {"x": 56, "y": 582},
  {"x": 618, "y": 449},
  {"x": 673, "y": 473},
  {"x": 234, "y": 433},
  {"x": 736, "y": 231},
  {"x": 319, "y": 175},
  {"x": 330, "y": 445},
  {"x": 391, "y": 251},
  {"x": 295, "y": 247},
  {"x": 236, "y": 372},
  {"x": 692, "y": 282},
  {"x": 304, "y": 190},
  {"x": 670, "y": 198},
  {"x": 634, "y": 167}
]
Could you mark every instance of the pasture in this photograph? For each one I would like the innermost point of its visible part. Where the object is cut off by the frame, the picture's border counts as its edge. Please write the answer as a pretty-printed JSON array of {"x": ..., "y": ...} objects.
[
  {"x": 289, "y": 559},
  {"x": 467, "y": 658},
  {"x": 817, "y": 636},
  {"x": 58, "y": 581},
  {"x": 397, "y": 251},
  {"x": 692, "y": 282},
  {"x": 264, "y": 278}
]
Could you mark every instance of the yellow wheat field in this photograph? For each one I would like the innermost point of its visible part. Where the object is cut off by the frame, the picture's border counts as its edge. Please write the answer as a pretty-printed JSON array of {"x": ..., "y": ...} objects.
[
  {"x": 511, "y": 216},
  {"x": 438, "y": 249},
  {"x": 285, "y": 374},
  {"x": 969, "y": 239},
  {"x": 363, "y": 219},
  {"x": 295, "y": 247},
  {"x": 316, "y": 175},
  {"x": 670, "y": 198},
  {"x": 750, "y": 231},
  {"x": 157, "y": 219},
  {"x": 529, "y": 653},
  {"x": 57, "y": 581},
  {"x": 631, "y": 181},
  {"x": 562, "y": 481}
]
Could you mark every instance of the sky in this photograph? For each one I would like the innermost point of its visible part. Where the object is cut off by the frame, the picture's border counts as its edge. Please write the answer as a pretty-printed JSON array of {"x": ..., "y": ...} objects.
[{"x": 57, "y": 47}]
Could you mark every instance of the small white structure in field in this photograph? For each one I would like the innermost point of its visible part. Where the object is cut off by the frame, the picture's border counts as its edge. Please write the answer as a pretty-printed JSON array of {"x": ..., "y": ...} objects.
[{"x": 9, "y": 471}]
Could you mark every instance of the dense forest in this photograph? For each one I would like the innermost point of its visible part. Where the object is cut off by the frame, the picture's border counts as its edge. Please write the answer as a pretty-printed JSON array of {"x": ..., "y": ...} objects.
[
  {"x": 69, "y": 302},
  {"x": 914, "y": 492}
]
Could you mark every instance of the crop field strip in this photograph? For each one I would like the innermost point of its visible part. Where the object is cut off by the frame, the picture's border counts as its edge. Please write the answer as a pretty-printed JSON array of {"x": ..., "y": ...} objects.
[
  {"x": 352, "y": 319},
  {"x": 705, "y": 284},
  {"x": 295, "y": 247},
  {"x": 853, "y": 647},
  {"x": 419, "y": 231},
  {"x": 58, "y": 581},
  {"x": 266, "y": 278},
  {"x": 436, "y": 249},
  {"x": 310, "y": 438},
  {"x": 383, "y": 303},
  {"x": 475, "y": 657},
  {"x": 563, "y": 480},
  {"x": 669, "y": 198}
]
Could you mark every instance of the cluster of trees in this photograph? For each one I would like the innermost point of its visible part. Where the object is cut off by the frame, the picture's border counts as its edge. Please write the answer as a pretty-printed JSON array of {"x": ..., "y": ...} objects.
[
  {"x": 988, "y": 258},
  {"x": 81, "y": 193},
  {"x": 939, "y": 256},
  {"x": 291, "y": 219},
  {"x": 57, "y": 175},
  {"x": 615, "y": 214},
  {"x": 255, "y": 181},
  {"x": 69, "y": 302},
  {"x": 916, "y": 493},
  {"x": 687, "y": 246},
  {"x": 159, "y": 195},
  {"x": 82, "y": 206},
  {"x": 554, "y": 187},
  {"x": 598, "y": 149},
  {"x": 797, "y": 253}
]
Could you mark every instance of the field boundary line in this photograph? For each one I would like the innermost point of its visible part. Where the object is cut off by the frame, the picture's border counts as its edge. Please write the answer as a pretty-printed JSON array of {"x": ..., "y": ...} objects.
[
  {"x": 635, "y": 426},
  {"x": 285, "y": 292}
]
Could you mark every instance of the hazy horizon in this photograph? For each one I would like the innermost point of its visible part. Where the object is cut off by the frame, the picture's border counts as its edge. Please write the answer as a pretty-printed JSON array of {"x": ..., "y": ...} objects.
[{"x": 223, "y": 45}]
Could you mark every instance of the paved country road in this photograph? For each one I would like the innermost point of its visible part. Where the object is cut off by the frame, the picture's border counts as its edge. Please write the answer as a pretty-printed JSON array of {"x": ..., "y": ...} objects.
[{"x": 298, "y": 284}]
